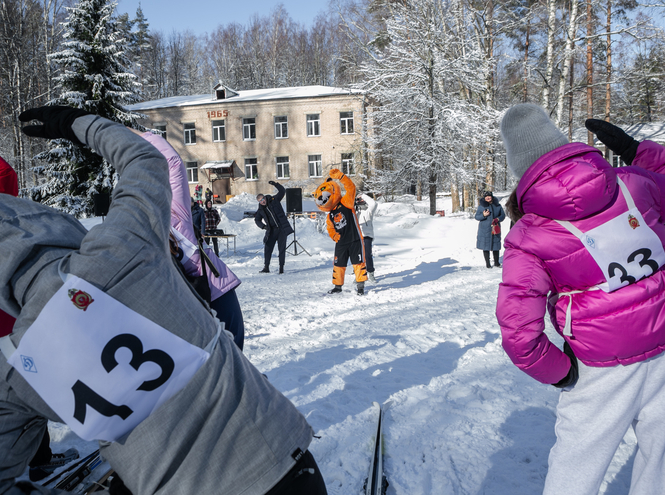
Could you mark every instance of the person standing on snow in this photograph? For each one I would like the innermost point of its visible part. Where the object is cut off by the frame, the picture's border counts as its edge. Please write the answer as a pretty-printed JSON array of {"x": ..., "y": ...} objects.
[
  {"x": 180, "y": 409},
  {"x": 365, "y": 210},
  {"x": 212, "y": 220},
  {"x": 490, "y": 214},
  {"x": 271, "y": 217},
  {"x": 588, "y": 247},
  {"x": 198, "y": 219}
]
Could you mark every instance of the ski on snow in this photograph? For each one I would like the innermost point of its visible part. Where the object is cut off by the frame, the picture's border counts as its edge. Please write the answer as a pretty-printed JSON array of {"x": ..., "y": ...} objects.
[
  {"x": 376, "y": 483},
  {"x": 84, "y": 476}
]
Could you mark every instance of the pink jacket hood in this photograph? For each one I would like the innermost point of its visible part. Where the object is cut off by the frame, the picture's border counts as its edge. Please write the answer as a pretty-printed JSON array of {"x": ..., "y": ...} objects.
[{"x": 543, "y": 259}]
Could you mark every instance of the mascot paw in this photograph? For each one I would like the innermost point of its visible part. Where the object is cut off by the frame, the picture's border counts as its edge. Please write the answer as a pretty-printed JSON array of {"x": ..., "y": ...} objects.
[{"x": 336, "y": 173}]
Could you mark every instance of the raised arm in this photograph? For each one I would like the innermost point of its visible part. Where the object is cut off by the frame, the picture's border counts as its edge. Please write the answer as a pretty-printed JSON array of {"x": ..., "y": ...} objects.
[{"x": 349, "y": 198}]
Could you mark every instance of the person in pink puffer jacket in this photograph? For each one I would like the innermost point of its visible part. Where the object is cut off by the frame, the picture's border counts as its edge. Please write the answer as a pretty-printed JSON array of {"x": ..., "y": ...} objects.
[
  {"x": 222, "y": 288},
  {"x": 587, "y": 247}
]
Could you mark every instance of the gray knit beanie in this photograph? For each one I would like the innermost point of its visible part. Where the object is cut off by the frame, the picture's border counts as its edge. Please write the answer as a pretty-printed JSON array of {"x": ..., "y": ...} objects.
[{"x": 528, "y": 133}]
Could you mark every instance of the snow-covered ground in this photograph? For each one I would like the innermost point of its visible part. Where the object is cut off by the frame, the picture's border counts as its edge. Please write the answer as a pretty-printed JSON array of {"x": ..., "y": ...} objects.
[{"x": 423, "y": 341}]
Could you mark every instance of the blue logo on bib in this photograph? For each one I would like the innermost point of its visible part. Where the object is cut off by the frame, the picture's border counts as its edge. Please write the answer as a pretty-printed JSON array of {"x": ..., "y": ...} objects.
[
  {"x": 590, "y": 242},
  {"x": 28, "y": 364}
]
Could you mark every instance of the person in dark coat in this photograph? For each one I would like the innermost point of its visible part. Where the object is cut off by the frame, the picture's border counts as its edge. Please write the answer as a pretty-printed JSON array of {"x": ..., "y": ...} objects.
[
  {"x": 198, "y": 219},
  {"x": 489, "y": 214},
  {"x": 271, "y": 217},
  {"x": 211, "y": 221}
]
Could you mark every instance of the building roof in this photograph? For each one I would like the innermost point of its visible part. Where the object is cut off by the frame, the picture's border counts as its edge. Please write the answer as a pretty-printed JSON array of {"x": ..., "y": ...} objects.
[{"x": 244, "y": 96}]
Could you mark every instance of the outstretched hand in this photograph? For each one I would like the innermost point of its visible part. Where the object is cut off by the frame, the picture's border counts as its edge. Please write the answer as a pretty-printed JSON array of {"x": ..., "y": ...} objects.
[
  {"x": 56, "y": 122},
  {"x": 614, "y": 138},
  {"x": 336, "y": 173},
  {"x": 272, "y": 182}
]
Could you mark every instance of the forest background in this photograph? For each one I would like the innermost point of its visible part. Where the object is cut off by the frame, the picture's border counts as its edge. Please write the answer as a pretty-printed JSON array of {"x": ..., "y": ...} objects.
[{"x": 435, "y": 77}]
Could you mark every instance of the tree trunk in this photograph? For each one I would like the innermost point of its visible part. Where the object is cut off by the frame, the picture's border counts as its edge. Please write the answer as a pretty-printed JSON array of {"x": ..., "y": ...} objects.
[
  {"x": 551, "y": 26},
  {"x": 567, "y": 69},
  {"x": 454, "y": 194},
  {"x": 589, "y": 67},
  {"x": 608, "y": 87}
]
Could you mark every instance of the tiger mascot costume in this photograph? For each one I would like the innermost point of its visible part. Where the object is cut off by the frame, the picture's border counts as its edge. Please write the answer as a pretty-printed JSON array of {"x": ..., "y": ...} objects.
[{"x": 343, "y": 228}]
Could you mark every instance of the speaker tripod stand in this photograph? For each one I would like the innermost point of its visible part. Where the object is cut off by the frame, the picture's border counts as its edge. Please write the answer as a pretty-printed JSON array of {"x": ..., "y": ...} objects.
[{"x": 295, "y": 242}]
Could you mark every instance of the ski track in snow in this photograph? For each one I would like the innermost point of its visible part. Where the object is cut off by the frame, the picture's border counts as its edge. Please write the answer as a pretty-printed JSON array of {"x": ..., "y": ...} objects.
[{"x": 460, "y": 418}]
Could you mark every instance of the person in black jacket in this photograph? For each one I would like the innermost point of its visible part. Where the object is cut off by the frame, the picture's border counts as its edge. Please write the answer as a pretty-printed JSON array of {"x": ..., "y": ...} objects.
[
  {"x": 198, "y": 219},
  {"x": 271, "y": 217}
]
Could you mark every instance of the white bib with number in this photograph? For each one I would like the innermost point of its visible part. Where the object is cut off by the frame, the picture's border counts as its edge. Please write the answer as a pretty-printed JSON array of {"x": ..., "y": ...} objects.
[
  {"x": 102, "y": 367},
  {"x": 624, "y": 248}
]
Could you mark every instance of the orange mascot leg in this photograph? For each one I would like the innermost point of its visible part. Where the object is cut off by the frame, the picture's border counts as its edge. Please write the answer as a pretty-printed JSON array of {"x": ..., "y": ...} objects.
[
  {"x": 360, "y": 271},
  {"x": 338, "y": 275}
]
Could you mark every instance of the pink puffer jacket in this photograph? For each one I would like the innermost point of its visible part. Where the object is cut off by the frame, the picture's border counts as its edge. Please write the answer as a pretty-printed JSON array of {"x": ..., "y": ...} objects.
[{"x": 575, "y": 183}]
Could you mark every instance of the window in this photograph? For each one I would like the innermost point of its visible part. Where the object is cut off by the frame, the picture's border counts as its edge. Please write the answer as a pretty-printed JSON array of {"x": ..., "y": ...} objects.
[
  {"x": 282, "y": 167},
  {"x": 281, "y": 128},
  {"x": 161, "y": 128},
  {"x": 192, "y": 171},
  {"x": 313, "y": 124},
  {"x": 348, "y": 166},
  {"x": 218, "y": 131},
  {"x": 346, "y": 122},
  {"x": 314, "y": 162},
  {"x": 249, "y": 129},
  {"x": 251, "y": 169},
  {"x": 190, "y": 133}
]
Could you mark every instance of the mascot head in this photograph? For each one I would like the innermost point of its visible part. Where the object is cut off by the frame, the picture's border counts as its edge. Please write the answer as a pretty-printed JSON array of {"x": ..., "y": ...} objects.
[{"x": 328, "y": 195}]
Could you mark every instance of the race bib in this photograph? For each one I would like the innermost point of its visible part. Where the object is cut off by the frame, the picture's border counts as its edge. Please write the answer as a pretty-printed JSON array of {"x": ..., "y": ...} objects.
[
  {"x": 187, "y": 252},
  {"x": 102, "y": 367},
  {"x": 624, "y": 248}
]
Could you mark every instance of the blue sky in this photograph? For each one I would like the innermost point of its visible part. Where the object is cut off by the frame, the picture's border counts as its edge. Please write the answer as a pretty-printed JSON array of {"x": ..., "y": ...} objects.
[{"x": 203, "y": 16}]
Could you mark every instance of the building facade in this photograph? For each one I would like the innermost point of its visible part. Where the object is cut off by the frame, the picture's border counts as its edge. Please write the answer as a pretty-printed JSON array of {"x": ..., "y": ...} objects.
[{"x": 237, "y": 141}]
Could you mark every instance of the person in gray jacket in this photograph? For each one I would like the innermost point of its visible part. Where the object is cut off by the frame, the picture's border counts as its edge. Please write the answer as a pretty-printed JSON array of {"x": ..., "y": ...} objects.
[
  {"x": 365, "y": 210},
  {"x": 178, "y": 409}
]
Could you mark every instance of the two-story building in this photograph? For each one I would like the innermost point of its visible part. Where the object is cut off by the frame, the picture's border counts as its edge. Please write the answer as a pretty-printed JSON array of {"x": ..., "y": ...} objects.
[{"x": 237, "y": 141}]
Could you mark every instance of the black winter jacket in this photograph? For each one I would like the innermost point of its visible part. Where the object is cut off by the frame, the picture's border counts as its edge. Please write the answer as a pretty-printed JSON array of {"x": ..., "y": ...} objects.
[{"x": 273, "y": 210}]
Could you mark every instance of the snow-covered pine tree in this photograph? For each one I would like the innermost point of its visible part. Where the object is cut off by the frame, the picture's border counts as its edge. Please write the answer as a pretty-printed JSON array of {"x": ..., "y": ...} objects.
[{"x": 92, "y": 77}]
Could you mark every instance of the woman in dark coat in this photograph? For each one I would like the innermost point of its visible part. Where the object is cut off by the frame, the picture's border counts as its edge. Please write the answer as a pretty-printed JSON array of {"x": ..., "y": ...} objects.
[{"x": 489, "y": 212}]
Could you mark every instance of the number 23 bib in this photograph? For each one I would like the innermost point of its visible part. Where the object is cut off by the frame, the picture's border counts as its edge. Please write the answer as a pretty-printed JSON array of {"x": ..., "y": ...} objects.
[
  {"x": 624, "y": 248},
  {"x": 102, "y": 367}
]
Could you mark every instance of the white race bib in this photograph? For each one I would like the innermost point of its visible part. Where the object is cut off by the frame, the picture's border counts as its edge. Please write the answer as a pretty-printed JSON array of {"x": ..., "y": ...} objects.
[
  {"x": 624, "y": 248},
  {"x": 186, "y": 251},
  {"x": 102, "y": 367}
]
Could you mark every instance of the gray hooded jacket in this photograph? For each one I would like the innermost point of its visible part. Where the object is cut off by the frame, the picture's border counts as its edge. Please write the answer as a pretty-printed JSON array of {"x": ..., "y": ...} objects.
[{"x": 228, "y": 430}]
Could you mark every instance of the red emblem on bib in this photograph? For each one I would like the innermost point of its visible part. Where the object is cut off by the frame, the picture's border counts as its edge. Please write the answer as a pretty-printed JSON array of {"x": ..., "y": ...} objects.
[
  {"x": 633, "y": 222},
  {"x": 80, "y": 299}
]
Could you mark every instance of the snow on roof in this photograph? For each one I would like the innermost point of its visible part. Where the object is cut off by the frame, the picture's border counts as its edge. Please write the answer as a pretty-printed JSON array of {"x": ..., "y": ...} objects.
[
  {"x": 244, "y": 96},
  {"x": 218, "y": 164},
  {"x": 654, "y": 131}
]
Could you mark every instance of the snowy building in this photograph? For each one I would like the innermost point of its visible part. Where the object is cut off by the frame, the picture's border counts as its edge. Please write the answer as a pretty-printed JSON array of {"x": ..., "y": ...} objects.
[{"x": 237, "y": 141}]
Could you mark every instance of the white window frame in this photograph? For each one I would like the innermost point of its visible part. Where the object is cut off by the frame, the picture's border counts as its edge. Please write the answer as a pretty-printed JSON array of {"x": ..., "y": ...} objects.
[
  {"x": 249, "y": 129},
  {"x": 314, "y": 165},
  {"x": 189, "y": 133},
  {"x": 348, "y": 164},
  {"x": 158, "y": 128},
  {"x": 281, "y": 127},
  {"x": 313, "y": 124},
  {"x": 281, "y": 165},
  {"x": 251, "y": 169},
  {"x": 344, "y": 123},
  {"x": 219, "y": 128},
  {"x": 192, "y": 169}
]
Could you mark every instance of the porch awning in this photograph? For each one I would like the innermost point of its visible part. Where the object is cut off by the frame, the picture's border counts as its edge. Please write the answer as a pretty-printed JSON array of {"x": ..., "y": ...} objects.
[{"x": 223, "y": 169}]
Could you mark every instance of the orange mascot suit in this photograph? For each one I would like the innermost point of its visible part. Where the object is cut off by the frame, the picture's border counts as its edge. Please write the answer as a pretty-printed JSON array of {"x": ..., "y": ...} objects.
[{"x": 343, "y": 228}]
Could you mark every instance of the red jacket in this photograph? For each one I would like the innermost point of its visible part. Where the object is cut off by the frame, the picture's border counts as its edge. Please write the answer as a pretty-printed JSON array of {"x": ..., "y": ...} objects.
[{"x": 8, "y": 185}]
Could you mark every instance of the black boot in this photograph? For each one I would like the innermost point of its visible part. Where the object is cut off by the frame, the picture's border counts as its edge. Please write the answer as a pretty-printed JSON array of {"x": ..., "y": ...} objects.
[
  {"x": 486, "y": 254},
  {"x": 361, "y": 288},
  {"x": 281, "y": 269},
  {"x": 265, "y": 270},
  {"x": 496, "y": 258},
  {"x": 335, "y": 290}
]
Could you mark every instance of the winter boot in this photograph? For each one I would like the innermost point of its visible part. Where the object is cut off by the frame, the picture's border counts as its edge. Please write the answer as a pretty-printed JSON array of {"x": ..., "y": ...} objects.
[
  {"x": 496, "y": 259},
  {"x": 281, "y": 269},
  {"x": 57, "y": 461},
  {"x": 265, "y": 270},
  {"x": 370, "y": 276},
  {"x": 486, "y": 254},
  {"x": 335, "y": 290},
  {"x": 361, "y": 288}
]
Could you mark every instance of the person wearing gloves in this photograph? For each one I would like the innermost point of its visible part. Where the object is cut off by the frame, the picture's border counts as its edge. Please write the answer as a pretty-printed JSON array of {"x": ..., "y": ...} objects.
[
  {"x": 587, "y": 247},
  {"x": 176, "y": 406},
  {"x": 489, "y": 214},
  {"x": 271, "y": 217},
  {"x": 222, "y": 284},
  {"x": 365, "y": 210}
]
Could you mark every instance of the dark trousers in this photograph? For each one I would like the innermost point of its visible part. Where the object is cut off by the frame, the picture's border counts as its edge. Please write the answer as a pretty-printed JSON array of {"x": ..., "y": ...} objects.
[
  {"x": 276, "y": 236},
  {"x": 369, "y": 259},
  {"x": 487, "y": 257},
  {"x": 43, "y": 454},
  {"x": 228, "y": 310},
  {"x": 214, "y": 244},
  {"x": 303, "y": 479}
]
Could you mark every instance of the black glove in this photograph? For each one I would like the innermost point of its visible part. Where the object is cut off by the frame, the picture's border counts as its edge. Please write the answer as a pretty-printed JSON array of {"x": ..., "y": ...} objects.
[
  {"x": 272, "y": 182},
  {"x": 614, "y": 138},
  {"x": 57, "y": 122},
  {"x": 573, "y": 372}
]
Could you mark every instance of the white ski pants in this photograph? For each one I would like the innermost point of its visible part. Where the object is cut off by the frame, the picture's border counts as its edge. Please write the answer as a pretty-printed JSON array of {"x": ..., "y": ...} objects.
[{"x": 592, "y": 418}]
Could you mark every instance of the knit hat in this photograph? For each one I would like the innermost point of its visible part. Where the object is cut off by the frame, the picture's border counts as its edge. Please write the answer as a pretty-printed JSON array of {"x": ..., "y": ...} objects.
[{"x": 528, "y": 133}]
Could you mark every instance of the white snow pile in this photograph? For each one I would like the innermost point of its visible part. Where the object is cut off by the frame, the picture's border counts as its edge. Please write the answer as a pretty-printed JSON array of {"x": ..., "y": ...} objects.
[{"x": 460, "y": 417}]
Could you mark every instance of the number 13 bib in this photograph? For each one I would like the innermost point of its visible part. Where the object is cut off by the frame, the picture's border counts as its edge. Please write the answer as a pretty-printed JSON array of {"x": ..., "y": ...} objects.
[
  {"x": 102, "y": 367},
  {"x": 625, "y": 248}
]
